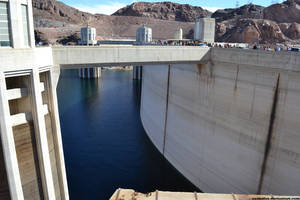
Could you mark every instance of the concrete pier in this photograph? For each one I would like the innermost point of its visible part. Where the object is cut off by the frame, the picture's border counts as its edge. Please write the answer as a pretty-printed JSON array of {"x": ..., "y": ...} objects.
[
  {"x": 89, "y": 73},
  {"x": 137, "y": 72}
]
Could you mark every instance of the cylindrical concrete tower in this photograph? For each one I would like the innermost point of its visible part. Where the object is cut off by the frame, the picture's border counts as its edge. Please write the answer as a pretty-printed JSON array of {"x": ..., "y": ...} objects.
[
  {"x": 88, "y": 37},
  {"x": 144, "y": 35},
  {"x": 178, "y": 34}
]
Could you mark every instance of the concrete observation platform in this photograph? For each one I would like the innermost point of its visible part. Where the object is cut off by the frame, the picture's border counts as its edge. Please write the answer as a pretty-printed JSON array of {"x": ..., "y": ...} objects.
[{"x": 127, "y": 194}]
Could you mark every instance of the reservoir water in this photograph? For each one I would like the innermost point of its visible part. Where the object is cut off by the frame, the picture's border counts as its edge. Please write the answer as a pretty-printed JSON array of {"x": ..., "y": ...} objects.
[{"x": 104, "y": 142}]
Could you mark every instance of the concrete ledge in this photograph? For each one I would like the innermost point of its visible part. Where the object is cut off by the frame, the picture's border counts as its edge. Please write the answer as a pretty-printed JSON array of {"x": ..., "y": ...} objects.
[
  {"x": 23, "y": 118},
  {"x": 19, "y": 93},
  {"x": 274, "y": 60},
  {"x": 82, "y": 56},
  {"x": 23, "y": 59},
  {"x": 125, "y": 194}
]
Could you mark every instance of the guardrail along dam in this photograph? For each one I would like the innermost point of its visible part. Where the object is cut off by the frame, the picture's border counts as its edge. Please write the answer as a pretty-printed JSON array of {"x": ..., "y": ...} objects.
[{"x": 226, "y": 119}]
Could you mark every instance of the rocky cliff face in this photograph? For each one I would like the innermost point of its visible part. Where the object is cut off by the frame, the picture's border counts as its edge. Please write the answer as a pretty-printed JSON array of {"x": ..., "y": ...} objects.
[
  {"x": 58, "y": 11},
  {"x": 286, "y": 12},
  {"x": 252, "y": 31},
  {"x": 247, "y": 11},
  {"x": 164, "y": 10},
  {"x": 291, "y": 30},
  {"x": 255, "y": 24}
]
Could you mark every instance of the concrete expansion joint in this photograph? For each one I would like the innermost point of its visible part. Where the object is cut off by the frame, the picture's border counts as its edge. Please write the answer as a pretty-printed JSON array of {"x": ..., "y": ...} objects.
[
  {"x": 268, "y": 144},
  {"x": 236, "y": 77},
  {"x": 167, "y": 107}
]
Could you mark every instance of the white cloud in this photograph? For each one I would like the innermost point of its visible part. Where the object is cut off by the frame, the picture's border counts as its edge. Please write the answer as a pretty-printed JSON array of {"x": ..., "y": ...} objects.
[
  {"x": 212, "y": 9},
  {"x": 107, "y": 9}
]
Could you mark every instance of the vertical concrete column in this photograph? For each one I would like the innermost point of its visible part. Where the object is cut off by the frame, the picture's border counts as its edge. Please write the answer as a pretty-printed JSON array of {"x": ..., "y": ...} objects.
[
  {"x": 93, "y": 73},
  {"x": 140, "y": 75},
  {"x": 137, "y": 72},
  {"x": 134, "y": 73},
  {"x": 85, "y": 73},
  {"x": 82, "y": 72},
  {"x": 16, "y": 24},
  {"x": 53, "y": 106},
  {"x": 30, "y": 24},
  {"x": 8, "y": 145},
  {"x": 41, "y": 136},
  {"x": 99, "y": 71}
]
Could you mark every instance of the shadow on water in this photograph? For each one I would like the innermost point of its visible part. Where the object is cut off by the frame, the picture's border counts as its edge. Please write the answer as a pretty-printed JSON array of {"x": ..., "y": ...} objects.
[{"x": 104, "y": 142}]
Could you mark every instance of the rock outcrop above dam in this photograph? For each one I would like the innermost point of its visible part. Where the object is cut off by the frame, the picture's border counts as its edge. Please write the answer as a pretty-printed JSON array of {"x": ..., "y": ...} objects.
[
  {"x": 286, "y": 12},
  {"x": 258, "y": 31},
  {"x": 248, "y": 11},
  {"x": 229, "y": 125},
  {"x": 251, "y": 23},
  {"x": 164, "y": 10}
]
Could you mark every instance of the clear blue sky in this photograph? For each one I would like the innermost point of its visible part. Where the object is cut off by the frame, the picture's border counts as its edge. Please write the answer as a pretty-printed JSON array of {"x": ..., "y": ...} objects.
[{"x": 108, "y": 7}]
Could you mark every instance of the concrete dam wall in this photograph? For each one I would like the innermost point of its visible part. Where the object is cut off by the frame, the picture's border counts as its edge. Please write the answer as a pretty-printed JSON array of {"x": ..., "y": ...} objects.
[{"x": 231, "y": 125}]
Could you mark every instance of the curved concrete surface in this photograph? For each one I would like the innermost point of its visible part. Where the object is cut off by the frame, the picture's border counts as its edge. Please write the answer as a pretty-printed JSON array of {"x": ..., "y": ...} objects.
[{"x": 230, "y": 126}]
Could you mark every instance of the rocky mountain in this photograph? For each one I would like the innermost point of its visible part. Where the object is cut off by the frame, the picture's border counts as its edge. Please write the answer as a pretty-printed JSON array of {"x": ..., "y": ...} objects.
[
  {"x": 252, "y": 31},
  {"x": 58, "y": 11},
  {"x": 247, "y": 11},
  {"x": 286, "y": 12},
  {"x": 291, "y": 30},
  {"x": 164, "y": 10},
  {"x": 256, "y": 24},
  {"x": 56, "y": 22}
]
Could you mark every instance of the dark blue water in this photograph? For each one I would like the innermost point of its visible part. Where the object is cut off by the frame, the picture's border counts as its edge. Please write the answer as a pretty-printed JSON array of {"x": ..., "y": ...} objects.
[{"x": 105, "y": 145}]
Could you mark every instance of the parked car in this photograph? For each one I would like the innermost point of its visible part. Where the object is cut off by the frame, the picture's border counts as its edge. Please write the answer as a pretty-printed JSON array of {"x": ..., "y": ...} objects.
[{"x": 201, "y": 45}]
